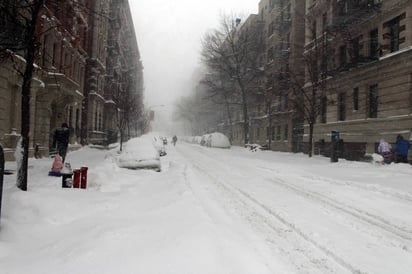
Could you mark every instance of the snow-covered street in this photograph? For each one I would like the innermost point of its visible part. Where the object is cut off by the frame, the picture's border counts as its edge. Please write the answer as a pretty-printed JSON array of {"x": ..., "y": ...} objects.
[{"x": 210, "y": 211}]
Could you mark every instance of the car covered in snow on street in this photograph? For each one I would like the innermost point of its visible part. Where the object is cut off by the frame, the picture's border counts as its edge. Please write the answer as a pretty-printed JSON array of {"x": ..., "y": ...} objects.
[
  {"x": 215, "y": 139},
  {"x": 140, "y": 153}
]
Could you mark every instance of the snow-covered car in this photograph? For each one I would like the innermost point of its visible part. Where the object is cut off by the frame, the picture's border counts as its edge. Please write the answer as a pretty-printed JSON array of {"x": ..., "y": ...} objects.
[
  {"x": 215, "y": 139},
  {"x": 140, "y": 153},
  {"x": 159, "y": 144}
]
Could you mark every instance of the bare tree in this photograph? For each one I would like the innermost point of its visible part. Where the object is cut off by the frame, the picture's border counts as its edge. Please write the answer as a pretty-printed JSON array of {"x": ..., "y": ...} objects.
[
  {"x": 23, "y": 16},
  {"x": 127, "y": 102},
  {"x": 233, "y": 51},
  {"x": 220, "y": 92},
  {"x": 186, "y": 110}
]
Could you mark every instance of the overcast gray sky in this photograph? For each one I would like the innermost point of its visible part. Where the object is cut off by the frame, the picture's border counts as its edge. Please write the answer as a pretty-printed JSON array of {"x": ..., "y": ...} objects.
[{"x": 169, "y": 33}]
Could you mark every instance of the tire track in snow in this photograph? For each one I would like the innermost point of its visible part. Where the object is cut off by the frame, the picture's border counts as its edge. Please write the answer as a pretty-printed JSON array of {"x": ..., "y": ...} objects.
[
  {"x": 391, "y": 193},
  {"x": 381, "y": 223},
  {"x": 239, "y": 196},
  {"x": 362, "y": 215}
]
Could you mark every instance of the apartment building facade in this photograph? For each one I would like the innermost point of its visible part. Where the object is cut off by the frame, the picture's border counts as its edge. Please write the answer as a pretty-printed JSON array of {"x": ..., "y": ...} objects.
[
  {"x": 124, "y": 76},
  {"x": 275, "y": 122},
  {"x": 365, "y": 73},
  {"x": 69, "y": 81}
]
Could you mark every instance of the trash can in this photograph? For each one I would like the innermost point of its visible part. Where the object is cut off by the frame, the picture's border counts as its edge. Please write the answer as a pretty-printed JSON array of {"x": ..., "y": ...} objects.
[
  {"x": 67, "y": 176},
  {"x": 83, "y": 181},
  {"x": 67, "y": 180},
  {"x": 76, "y": 179}
]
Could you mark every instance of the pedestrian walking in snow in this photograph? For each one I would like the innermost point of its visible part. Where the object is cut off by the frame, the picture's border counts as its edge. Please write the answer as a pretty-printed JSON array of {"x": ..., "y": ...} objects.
[
  {"x": 61, "y": 140},
  {"x": 174, "y": 140},
  {"x": 385, "y": 149}
]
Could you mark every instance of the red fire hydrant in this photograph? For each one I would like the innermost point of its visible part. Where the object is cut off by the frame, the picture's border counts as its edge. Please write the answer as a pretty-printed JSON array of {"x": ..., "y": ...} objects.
[
  {"x": 76, "y": 178},
  {"x": 83, "y": 171}
]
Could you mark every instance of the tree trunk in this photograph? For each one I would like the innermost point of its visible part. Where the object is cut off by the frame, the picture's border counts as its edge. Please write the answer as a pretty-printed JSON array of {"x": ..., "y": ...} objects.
[
  {"x": 310, "y": 148},
  {"x": 269, "y": 135},
  {"x": 121, "y": 140},
  {"x": 245, "y": 113},
  {"x": 30, "y": 38},
  {"x": 229, "y": 117}
]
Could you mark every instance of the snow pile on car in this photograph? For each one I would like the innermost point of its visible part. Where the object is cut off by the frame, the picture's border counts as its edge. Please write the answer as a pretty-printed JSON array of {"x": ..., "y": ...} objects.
[
  {"x": 215, "y": 139},
  {"x": 140, "y": 153}
]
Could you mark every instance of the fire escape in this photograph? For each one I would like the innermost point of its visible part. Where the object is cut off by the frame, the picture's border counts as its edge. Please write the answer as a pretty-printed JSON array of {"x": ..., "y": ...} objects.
[{"x": 348, "y": 17}]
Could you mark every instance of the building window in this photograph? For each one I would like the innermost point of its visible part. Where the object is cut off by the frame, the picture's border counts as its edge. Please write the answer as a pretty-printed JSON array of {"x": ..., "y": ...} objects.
[
  {"x": 45, "y": 54},
  {"x": 394, "y": 26},
  {"x": 258, "y": 134},
  {"x": 356, "y": 47},
  {"x": 313, "y": 29},
  {"x": 279, "y": 103},
  {"x": 278, "y": 133},
  {"x": 286, "y": 102},
  {"x": 323, "y": 108},
  {"x": 374, "y": 44},
  {"x": 342, "y": 55},
  {"x": 273, "y": 133},
  {"x": 3, "y": 18},
  {"x": 356, "y": 98},
  {"x": 342, "y": 107},
  {"x": 271, "y": 28},
  {"x": 286, "y": 133},
  {"x": 343, "y": 7},
  {"x": 373, "y": 101},
  {"x": 325, "y": 22}
]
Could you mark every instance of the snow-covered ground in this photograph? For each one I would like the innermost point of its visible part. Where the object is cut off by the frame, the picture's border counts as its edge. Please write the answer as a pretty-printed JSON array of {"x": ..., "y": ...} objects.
[{"x": 210, "y": 211}]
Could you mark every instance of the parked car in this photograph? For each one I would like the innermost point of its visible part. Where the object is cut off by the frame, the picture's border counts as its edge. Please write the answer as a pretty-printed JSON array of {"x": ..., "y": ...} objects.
[
  {"x": 215, "y": 139},
  {"x": 140, "y": 153},
  {"x": 159, "y": 144}
]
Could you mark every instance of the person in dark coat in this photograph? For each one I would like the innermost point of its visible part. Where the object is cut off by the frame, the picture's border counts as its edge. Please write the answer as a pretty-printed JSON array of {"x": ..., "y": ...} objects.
[
  {"x": 402, "y": 148},
  {"x": 61, "y": 139}
]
